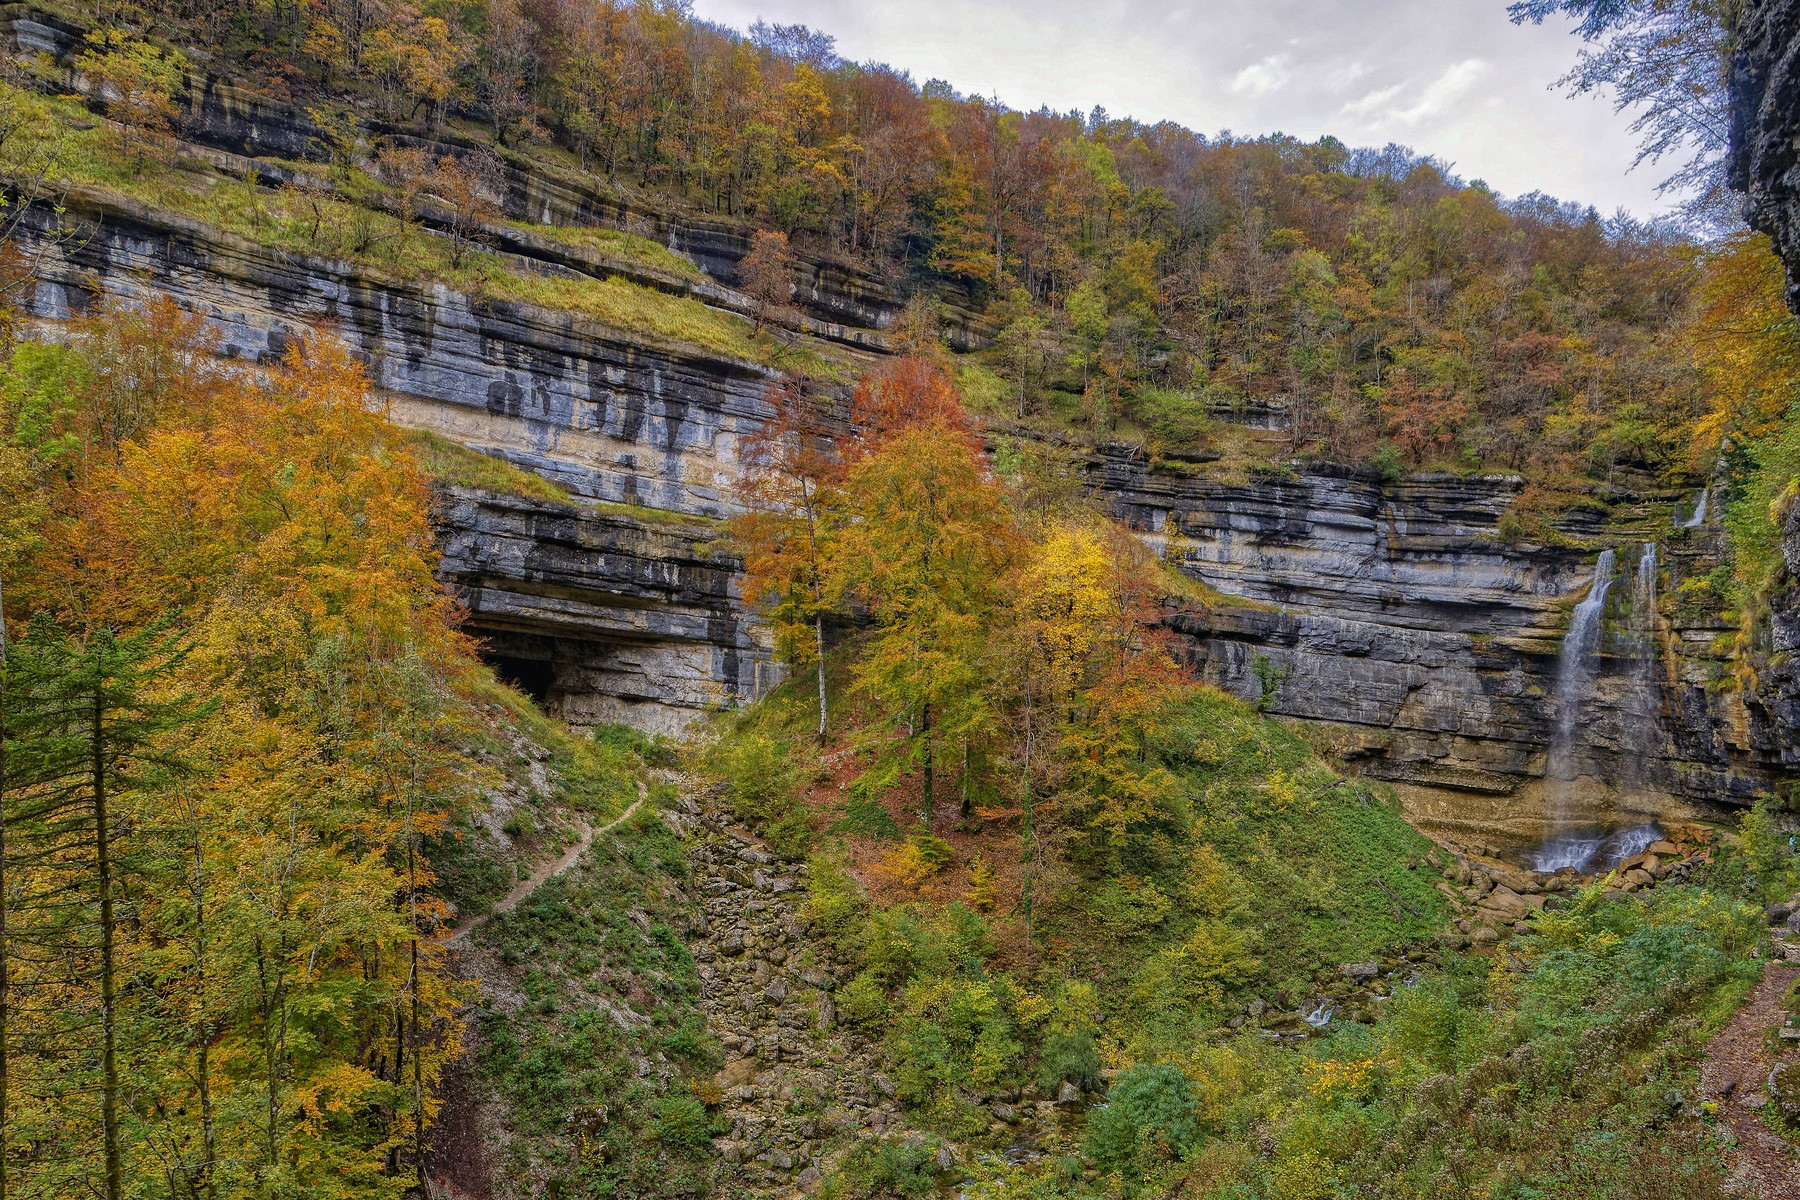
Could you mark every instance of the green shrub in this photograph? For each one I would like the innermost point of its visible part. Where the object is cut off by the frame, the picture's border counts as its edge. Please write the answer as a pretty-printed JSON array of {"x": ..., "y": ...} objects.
[
  {"x": 863, "y": 1002},
  {"x": 835, "y": 907},
  {"x": 681, "y": 1123},
  {"x": 1068, "y": 1056},
  {"x": 762, "y": 775},
  {"x": 1388, "y": 464},
  {"x": 1150, "y": 1116},
  {"x": 891, "y": 1167},
  {"x": 1176, "y": 420},
  {"x": 1767, "y": 850}
]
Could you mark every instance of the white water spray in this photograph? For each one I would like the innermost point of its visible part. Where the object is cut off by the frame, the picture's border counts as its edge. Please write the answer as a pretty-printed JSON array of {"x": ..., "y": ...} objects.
[
  {"x": 1698, "y": 517},
  {"x": 1646, "y": 694},
  {"x": 1575, "y": 668}
]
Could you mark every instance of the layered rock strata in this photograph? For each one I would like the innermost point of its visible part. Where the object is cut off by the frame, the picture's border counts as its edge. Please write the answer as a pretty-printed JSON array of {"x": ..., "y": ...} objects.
[
  {"x": 1396, "y": 617},
  {"x": 1763, "y": 163},
  {"x": 604, "y": 617}
]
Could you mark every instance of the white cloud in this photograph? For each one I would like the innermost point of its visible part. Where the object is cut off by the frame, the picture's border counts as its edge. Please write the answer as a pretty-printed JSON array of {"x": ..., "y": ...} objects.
[
  {"x": 1375, "y": 102},
  {"x": 1456, "y": 82},
  {"x": 1261, "y": 78},
  {"x": 1387, "y": 106}
]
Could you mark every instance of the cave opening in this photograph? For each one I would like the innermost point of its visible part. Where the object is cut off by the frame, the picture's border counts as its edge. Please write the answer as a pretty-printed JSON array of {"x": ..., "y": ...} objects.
[{"x": 533, "y": 676}]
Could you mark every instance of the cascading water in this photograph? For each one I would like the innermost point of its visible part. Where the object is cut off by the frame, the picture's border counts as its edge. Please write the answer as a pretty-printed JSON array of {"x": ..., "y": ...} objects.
[
  {"x": 1575, "y": 668},
  {"x": 1646, "y": 698},
  {"x": 1645, "y": 600},
  {"x": 1697, "y": 518}
]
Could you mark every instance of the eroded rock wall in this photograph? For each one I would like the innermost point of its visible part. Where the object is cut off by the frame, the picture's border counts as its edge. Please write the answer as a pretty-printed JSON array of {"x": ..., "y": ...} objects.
[
  {"x": 604, "y": 617},
  {"x": 1764, "y": 158},
  {"x": 1393, "y": 616},
  {"x": 1396, "y": 618},
  {"x": 610, "y": 616},
  {"x": 1764, "y": 165}
]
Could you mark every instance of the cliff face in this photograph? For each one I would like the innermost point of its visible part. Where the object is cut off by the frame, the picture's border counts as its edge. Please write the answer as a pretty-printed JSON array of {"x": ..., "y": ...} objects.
[
  {"x": 1764, "y": 165},
  {"x": 606, "y": 617},
  {"x": 1764, "y": 161},
  {"x": 1397, "y": 618},
  {"x": 603, "y": 617},
  {"x": 1391, "y": 616}
]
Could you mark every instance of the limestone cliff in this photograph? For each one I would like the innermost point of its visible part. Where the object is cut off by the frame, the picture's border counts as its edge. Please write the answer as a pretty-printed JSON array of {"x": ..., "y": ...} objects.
[
  {"x": 1764, "y": 165},
  {"x": 1764, "y": 160},
  {"x": 1397, "y": 617},
  {"x": 1392, "y": 615}
]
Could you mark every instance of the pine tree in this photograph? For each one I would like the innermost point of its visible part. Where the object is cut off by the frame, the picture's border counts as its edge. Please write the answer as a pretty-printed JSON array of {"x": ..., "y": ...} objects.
[{"x": 104, "y": 724}]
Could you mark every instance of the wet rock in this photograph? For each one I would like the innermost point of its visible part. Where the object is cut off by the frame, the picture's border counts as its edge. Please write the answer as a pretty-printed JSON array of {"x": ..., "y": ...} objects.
[{"x": 1068, "y": 1095}]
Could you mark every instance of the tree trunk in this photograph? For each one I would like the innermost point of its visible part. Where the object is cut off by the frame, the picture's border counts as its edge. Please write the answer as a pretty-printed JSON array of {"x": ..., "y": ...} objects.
[
  {"x": 5, "y": 975},
  {"x": 819, "y": 632},
  {"x": 925, "y": 732},
  {"x": 203, "y": 1063},
  {"x": 109, "y": 1063},
  {"x": 968, "y": 808}
]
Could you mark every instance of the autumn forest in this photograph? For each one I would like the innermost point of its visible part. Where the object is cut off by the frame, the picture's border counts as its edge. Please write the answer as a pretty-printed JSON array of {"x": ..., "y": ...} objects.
[{"x": 594, "y": 604}]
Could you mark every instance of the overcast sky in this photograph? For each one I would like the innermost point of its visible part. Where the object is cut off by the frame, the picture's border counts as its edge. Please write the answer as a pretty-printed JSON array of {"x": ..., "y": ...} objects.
[{"x": 1452, "y": 78}]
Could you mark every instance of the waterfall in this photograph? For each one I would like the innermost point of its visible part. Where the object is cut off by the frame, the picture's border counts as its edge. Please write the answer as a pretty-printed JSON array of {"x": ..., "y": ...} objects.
[
  {"x": 1575, "y": 668},
  {"x": 1644, "y": 602},
  {"x": 1698, "y": 516},
  {"x": 1647, "y": 697}
]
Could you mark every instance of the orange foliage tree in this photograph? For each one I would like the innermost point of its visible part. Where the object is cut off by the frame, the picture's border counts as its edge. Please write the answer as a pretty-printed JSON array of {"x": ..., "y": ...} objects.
[{"x": 290, "y": 1011}]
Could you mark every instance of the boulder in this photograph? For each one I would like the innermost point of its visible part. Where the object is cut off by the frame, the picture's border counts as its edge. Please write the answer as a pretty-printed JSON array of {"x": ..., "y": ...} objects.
[
  {"x": 1360, "y": 971},
  {"x": 1068, "y": 1095},
  {"x": 1505, "y": 902},
  {"x": 1508, "y": 876},
  {"x": 1665, "y": 849},
  {"x": 739, "y": 1072}
]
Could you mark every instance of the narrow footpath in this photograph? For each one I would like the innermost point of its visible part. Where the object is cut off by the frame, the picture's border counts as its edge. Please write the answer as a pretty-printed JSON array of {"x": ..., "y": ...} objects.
[
  {"x": 548, "y": 870},
  {"x": 1735, "y": 1076}
]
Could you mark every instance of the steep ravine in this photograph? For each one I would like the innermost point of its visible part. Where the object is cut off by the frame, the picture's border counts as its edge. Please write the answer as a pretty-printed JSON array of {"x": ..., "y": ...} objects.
[{"x": 789, "y": 1086}]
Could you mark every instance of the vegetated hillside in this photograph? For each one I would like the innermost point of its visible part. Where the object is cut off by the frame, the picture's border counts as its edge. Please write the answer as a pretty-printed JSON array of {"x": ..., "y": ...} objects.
[
  {"x": 1138, "y": 279},
  {"x": 1041, "y": 860},
  {"x": 250, "y": 767},
  {"x": 1039, "y": 863},
  {"x": 250, "y": 775}
]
